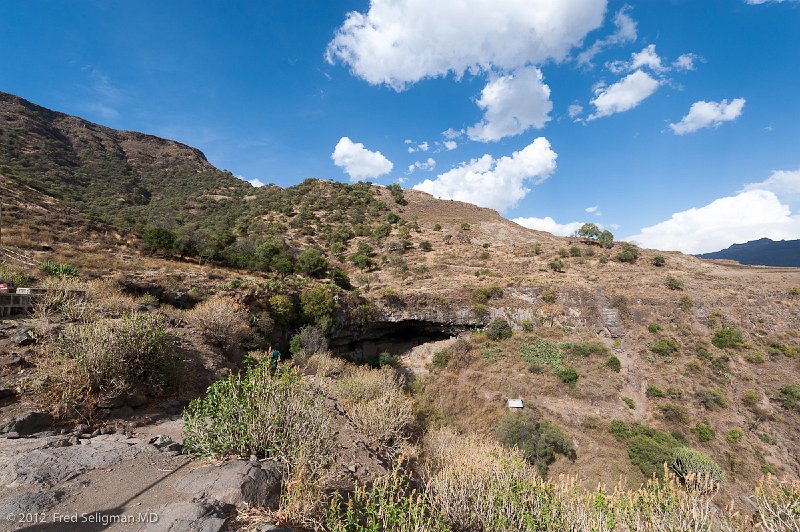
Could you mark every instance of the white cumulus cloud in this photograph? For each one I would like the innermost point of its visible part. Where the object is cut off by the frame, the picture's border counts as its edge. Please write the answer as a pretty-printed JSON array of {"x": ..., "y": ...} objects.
[
  {"x": 686, "y": 62},
  {"x": 623, "y": 95},
  {"x": 398, "y": 42},
  {"x": 512, "y": 104},
  {"x": 450, "y": 145},
  {"x": 428, "y": 165},
  {"x": 708, "y": 114},
  {"x": 359, "y": 162},
  {"x": 495, "y": 183},
  {"x": 749, "y": 215},
  {"x": 625, "y": 32},
  {"x": 649, "y": 58},
  {"x": 548, "y": 225},
  {"x": 784, "y": 183}
]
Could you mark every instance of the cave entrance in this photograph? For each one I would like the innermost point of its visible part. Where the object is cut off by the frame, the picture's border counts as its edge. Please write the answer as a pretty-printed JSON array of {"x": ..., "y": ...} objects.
[{"x": 366, "y": 342}]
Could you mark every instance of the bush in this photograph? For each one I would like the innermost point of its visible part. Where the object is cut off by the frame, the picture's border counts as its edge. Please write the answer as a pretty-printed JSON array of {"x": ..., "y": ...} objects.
[
  {"x": 614, "y": 364},
  {"x": 653, "y": 328},
  {"x": 789, "y": 396},
  {"x": 654, "y": 391},
  {"x": 556, "y": 265},
  {"x": 695, "y": 467},
  {"x": 221, "y": 321},
  {"x": 318, "y": 306},
  {"x": 727, "y": 337},
  {"x": 57, "y": 269},
  {"x": 563, "y": 253},
  {"x": 734, "y": 436},
  {"x": 585, "y": 349},
  {"x": 498, "y": 329},
  {"x": 160, "y": 240},
  {"x": 658, "y": 261},
  {"x": 527, "y": 325},
  {"x": 312, "y": 262},
  {"x": 750, "y": 399},
  {"x": 574, "y": 251},
  {"x": 703, "y": 432},
  {"x": 650, "y": 449},
  {"x": 437, "y": 227},
  {"x": 281, "y": 308},
  {"x": 589, "y": 232},
  {"x": 308, "y": 341},
  {"x": 440, "y": 359},
  {"x": 568, "y": 375},
  {"x": 425, "y": 245},
  {"x": 480, "y": 312},
  {"x": 465, "y": 226},
  {"x": 664, "y": 346},
  {"x": 674, "y": 413},
  {"x": 606, "y": 239},
  {"x": 539, "y": 442},
  {"x": 629, "y": 252},
  {"x": 629, "y": 402},
  {"x": 110, "y": 358},
  {"x": 549, "y": 296},
  {"x": 485, "y": 293},
  {"x": 542, "y": 353},
  {"x": 374, "y": 401},
  {"x": 711, "y": 398},
  {"x": 341, "y": 279},
  {"x": 673, "y": 283},
  {"x": 754, "y": 357},
  {"x": 274, "y": 416}
]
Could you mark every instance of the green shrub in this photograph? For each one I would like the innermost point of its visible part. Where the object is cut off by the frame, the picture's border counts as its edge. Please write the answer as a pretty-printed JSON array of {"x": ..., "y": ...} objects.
[
  {"x": 556, "y": 265},
  {"x": 674, "y": 393},
  {"x": 537, "y": 249},
  {"x": 629, "y": 402},
  {"x": 727, "y": 337},
  {"x": 498, "y": 329},
  {"x": 654, "y": 391},
  {"x": 620, "y": 430},
  {"x": 685, "y": 303},
  {"x": 789, "y": 396},
  {"x": 665, "y": 346},
  {"x": 606, "y": 239},
  {"x": 397, "y": 194},
  {"x": 673, "y": 283},
  {"x": 658, "y": 261},
  {"x": 574, "y": 251},
  {"x": 13, "y": 275},
  {"x": 695, "y": 467},
  {"x": 650, "y": 449},
  {"x": 568, "y": 375},
  {"x": 440, "y": 359},
  {"x": 563, "y": 253},
  {"x": 425, "y": 245},
  {"x": 437, "y": 227},
  {"x": 538, "y": 441},
  {"x": 793, "y": 291},
  {"x": 629, "y": 252},
  {"x": 480, "y": 312},
  {"x": 766, "y": 438},
  {"x": 589, "y": 232},
  {"x": 465, "y": 226},
  {"x": 703, "y": 432},
  {"x": 159, "y": 240},
  {"x": 318, "y": 306},
  {"x": 711, "y": 398},
  {"x": 614, "y": 364},
  {"x": 386, "y": 359},
  {"x": 750, "y": 399},
  {"x": 549, "y": 296},
  {"x": 754, "y": 357},
  {"x": 734, "y": 436},
  {"x": 281, "y": 308},
  {"x": 485, "y": 293},
  {"x": 653, "y": 327},
  {"x": 585, "y": 349},
  {"x": 57, "y": 269},
  {"x": 388, "y": 503},
  {"x": 527, "y": 325},
  {"x": 268, "y": 415},
  {"x": 312, "y": 262}
]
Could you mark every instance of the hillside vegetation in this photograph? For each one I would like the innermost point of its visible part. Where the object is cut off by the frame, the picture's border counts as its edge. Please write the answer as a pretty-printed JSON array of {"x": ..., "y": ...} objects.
[{"x": 658, "y": 389}]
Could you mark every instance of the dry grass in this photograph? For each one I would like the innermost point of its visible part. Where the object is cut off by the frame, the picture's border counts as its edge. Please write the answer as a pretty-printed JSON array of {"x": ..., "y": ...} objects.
[
  {"x": 376, "y": 404},
  {"x": 221, "y": 321}
]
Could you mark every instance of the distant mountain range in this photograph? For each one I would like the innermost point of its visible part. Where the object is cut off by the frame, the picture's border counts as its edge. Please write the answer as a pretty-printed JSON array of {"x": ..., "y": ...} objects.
[{"x": 764, "y": 252}]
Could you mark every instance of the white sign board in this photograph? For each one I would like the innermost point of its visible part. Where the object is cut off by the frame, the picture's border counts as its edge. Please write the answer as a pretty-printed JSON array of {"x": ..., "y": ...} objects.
[{"x": 515, "y": 403}]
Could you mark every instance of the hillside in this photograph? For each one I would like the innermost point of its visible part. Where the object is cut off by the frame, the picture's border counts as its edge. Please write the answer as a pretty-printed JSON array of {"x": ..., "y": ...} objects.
[
  {"x": 620, "y": 355},
  {"x": 763, "y": 252}
]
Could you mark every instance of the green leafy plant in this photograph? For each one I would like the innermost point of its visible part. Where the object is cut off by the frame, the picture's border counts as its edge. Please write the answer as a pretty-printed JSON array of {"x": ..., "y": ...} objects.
[
  {"x": 498, "y": 329},
  {"x": 658, "y": 261},
  {"x": 703, "y": 432},
  {"x": 539, "y": 441},
  {"x": 728, "y": 337}
]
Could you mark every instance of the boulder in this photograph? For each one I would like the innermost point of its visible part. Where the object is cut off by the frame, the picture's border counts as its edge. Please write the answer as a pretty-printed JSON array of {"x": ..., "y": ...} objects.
[
  {"x": 5, "y": 393},
  {"x": 190, "y": 517},
  {"x": 27, "y": 423},
  {"x": 24, "y": 337},
  {"x": 236, "y": 482}
]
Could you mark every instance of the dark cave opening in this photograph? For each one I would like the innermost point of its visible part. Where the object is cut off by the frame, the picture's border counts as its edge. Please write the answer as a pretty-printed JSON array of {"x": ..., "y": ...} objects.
[{"x": 365, "y": 342}]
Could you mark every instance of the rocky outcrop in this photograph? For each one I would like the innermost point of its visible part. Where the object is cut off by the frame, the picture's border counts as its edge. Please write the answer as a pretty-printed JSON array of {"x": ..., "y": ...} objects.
[{"x": 237, "y": 482}]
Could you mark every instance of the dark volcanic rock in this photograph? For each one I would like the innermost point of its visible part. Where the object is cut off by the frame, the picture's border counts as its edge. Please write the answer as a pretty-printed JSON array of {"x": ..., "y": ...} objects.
[{"x": 236, "y": 482}]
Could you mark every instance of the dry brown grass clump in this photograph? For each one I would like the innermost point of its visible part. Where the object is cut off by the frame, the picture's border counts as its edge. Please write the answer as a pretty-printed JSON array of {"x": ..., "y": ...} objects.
[
  {"x": 221, "y": 321},
  {"x": 376, "y": 404}
]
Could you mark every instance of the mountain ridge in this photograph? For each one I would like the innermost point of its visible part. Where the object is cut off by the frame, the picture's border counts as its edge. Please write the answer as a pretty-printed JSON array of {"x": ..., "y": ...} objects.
[{"x": 760, "y": 252}]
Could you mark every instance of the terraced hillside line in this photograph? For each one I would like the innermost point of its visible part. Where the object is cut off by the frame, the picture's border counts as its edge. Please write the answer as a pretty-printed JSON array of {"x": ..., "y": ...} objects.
[{"x": 634, "y": 387}]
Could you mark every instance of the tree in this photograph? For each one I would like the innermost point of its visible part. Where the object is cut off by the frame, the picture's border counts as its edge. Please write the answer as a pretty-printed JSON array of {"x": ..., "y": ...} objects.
[
  {"x": 606, "y": 239},
  {"x": 589, "y": 231},
  {"x": 161, "y": 240},
  {"x": 312, "y": 262}
]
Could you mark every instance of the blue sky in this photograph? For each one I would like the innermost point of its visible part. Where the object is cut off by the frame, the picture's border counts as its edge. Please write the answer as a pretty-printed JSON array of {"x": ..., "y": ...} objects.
[{"x": 674, "y": 123}]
